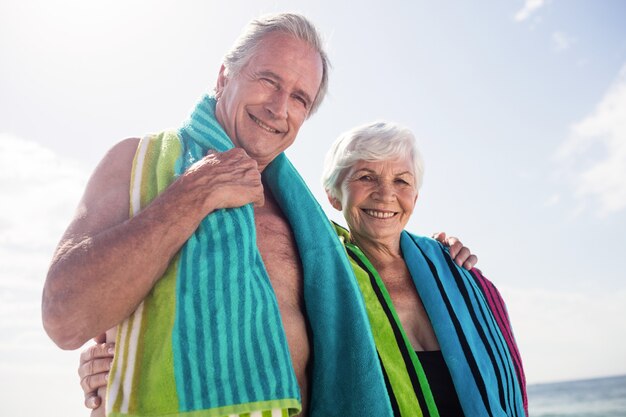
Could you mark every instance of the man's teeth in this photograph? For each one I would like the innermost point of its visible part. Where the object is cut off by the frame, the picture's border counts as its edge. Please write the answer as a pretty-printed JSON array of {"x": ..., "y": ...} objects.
[
  {"x": 380, "y": 214},
  {"x": 263, "y": 125}
]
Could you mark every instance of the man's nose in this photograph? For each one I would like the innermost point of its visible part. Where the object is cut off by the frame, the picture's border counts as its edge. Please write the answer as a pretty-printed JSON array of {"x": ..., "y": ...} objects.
[{"x": 278, "y": 104}]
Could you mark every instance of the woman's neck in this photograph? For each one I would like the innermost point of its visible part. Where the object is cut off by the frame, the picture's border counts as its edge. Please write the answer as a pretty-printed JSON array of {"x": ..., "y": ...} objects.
[{"x": 379, "y": 252}]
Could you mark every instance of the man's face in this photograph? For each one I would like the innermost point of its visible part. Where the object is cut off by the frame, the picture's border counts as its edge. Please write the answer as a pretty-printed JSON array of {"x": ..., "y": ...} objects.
[{"x": 263, "y": 106}]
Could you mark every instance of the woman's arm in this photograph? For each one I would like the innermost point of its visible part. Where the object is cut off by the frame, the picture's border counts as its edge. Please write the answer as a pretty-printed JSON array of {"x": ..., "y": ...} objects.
[{"x": 93, "y": 370}]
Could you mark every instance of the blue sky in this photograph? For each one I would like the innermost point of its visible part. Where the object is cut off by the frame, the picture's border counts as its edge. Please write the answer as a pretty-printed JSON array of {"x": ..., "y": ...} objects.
[{"x": 519, "y": 108}]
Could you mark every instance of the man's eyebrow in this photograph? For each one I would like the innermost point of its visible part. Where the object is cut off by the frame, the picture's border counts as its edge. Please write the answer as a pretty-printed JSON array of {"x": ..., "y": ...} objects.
[{"x": 270, "y": 74}]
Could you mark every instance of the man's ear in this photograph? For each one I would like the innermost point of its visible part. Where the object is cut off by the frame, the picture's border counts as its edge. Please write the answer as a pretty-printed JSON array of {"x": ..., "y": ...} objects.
[
  {"x": 335, "y": 202},
  {"x": 222, "y": 80}
]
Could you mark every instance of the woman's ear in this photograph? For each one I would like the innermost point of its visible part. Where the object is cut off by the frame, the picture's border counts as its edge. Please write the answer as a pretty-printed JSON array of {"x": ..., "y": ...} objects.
[{"x": 334, "y": 201}]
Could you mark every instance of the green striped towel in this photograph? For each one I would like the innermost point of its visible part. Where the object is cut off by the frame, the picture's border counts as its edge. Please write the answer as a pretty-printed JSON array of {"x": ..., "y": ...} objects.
[
  {"x": 470, "y": 321},
  {"x": 208, "y": 340}
]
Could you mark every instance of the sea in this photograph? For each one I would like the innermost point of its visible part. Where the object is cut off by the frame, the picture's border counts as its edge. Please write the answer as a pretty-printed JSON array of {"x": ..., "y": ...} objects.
[{"x": 600, "y": 397}]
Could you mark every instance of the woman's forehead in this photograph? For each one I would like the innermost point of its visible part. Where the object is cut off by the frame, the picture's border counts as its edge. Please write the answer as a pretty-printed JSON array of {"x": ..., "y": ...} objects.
[{"x": 393, "y": 165}]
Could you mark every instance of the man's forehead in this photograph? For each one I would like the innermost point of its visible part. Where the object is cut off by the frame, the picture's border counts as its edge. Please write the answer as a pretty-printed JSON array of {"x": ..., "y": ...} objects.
[
  {"x": 289, "y": 59},
  {"x": 277, "y": 45}
]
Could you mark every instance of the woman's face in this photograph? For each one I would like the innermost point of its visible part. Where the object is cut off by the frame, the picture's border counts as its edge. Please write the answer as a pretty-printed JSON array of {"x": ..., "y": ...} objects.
[{"x": 378, "y": 198}]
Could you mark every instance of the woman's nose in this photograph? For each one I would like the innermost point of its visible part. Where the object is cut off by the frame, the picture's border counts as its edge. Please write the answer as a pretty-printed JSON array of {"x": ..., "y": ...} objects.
[{"x": 384, "y": 192}]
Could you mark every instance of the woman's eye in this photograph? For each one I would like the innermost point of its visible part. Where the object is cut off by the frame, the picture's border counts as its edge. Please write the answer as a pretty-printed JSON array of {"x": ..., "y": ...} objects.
[{"x": 366, "y": 178}]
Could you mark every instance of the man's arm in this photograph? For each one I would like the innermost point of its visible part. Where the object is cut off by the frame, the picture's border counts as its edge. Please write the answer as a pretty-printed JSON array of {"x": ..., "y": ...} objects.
[
  {"x": 459, "y": 253},
  {"x": 106, "y": 262}
]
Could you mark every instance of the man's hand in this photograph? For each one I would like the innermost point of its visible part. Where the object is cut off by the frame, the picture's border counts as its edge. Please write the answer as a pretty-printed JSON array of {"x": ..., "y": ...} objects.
[
  {"x": 93, "y": 370},
  {"x": 224, "y": 180},
  {"x": 460, "y": 254}
]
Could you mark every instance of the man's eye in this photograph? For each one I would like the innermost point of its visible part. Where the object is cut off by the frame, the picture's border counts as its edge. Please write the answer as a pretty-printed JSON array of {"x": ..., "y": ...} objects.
[
  {"x": 302, "y": 101},
  {"x": 269, "y": 82}
]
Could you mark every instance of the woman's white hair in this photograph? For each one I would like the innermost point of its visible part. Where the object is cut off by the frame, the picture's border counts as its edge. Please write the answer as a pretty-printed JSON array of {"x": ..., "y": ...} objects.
[
  {"x": 292, "y": 24},
  {"x": 378, "y": 141}
]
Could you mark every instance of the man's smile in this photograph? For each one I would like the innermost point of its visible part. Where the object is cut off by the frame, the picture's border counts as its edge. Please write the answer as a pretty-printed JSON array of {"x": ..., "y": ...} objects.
[{"x": 263, "y": 125}]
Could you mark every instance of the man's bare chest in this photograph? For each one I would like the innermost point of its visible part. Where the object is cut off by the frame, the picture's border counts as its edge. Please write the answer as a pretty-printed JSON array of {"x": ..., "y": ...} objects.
[{"x": 278, "y": 249}]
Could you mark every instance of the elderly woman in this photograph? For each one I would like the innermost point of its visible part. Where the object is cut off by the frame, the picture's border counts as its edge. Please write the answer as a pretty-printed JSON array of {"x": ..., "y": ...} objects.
[{"x": 441, "y": 332}]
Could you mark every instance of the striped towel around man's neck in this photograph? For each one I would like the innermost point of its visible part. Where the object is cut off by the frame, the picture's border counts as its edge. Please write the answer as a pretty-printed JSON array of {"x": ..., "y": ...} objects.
[{"x": 208, "y": 340}]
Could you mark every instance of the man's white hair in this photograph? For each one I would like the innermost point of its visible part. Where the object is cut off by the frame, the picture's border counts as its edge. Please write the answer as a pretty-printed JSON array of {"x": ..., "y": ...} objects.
[{"x": 291, "y": 24}]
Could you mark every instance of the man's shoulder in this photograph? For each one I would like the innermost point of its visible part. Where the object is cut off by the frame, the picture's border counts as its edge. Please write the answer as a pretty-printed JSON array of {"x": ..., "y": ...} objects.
[
  {"x": 119, "y": 156},
  {"x": 125, "y": 145}
]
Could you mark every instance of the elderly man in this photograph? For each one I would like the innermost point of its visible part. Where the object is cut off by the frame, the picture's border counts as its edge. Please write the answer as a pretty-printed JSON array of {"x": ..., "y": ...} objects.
[{"x": 226, "y": 276}]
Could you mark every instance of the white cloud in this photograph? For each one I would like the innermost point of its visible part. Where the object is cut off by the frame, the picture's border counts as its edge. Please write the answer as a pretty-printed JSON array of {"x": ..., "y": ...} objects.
[
  {"x": 562, "y": 41},
  {"x": 558, "y": 332},
  {"x": 553, "y": 200},
  {"x": 40, "y": 191},
  {"x": 530, "y": 6},
  {"x": 595, "y": 152}
]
